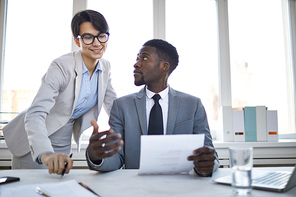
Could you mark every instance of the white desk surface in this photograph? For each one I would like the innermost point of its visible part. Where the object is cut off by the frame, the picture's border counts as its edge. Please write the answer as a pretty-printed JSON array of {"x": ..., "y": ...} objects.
[{"x": 129, "y": 183}]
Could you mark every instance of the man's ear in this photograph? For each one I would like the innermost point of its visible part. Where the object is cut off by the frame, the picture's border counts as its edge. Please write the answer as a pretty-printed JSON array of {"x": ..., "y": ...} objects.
[
  {"x": 76, "y": 40},
  {"x": 165, "y": 66}
]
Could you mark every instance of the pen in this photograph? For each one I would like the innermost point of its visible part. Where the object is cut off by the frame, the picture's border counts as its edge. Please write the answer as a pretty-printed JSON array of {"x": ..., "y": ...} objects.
[
  {"x": 86, "y": 187},
  {"x": 42, "y": 192},
  {"x": 66, "y": 164}
]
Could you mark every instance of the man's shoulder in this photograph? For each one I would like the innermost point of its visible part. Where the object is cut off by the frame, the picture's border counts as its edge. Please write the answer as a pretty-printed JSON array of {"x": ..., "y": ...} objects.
[
  {"x": 125, "y": 103},
  {"x": 184, "y": 95},
  {"x": 128, "y": 97}
]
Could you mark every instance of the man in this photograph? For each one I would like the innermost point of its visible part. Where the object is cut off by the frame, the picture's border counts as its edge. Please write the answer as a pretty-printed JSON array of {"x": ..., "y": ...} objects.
[{"x": 130, "y": 116}]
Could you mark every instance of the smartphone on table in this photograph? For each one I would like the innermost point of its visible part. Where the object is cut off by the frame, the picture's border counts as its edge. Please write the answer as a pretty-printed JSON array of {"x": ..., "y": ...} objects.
[{"x": 8, "y": 179}]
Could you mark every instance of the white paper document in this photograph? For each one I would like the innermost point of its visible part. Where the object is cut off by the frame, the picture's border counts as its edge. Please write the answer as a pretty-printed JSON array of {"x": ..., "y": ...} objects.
[
  {"x": 167, "y": 154},
  {"x": 57, "y": 189}
]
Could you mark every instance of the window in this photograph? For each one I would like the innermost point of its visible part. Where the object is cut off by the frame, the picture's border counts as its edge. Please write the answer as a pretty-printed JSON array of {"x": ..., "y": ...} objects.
[
  {"x": 193, "y": 31},
  {"x": 260, "y": 73},
  {"x": 36, "y": 34},
  {"x": 260, "y": 60},
  {"x": 130, "y": 28}
]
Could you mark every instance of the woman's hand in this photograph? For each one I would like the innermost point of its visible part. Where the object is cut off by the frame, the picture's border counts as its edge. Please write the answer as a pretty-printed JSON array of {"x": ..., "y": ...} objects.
[{"x": 56, "y": 162}]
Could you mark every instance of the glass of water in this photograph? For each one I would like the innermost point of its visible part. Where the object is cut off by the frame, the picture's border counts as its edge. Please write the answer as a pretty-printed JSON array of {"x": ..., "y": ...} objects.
[{"x": 241, "y": 162}]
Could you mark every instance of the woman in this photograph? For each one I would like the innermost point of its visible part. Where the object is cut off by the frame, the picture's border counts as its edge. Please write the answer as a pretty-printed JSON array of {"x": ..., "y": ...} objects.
[{"x": 72, "y": 93}]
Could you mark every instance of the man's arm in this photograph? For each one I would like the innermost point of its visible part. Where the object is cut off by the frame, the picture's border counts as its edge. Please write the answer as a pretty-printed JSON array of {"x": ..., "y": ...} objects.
[
  {"x": 103, "y": 146},
  {"x": 205, "y": 159}
]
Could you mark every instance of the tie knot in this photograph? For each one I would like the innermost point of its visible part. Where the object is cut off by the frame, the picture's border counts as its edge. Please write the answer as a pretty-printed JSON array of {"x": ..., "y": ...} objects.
[{"x": 156, "y": 97}]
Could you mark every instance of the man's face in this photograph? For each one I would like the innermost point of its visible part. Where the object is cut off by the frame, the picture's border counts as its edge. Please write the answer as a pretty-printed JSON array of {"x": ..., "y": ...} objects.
[
  {"x": 94, "y": 51},
  {"x": 147, "y": 68}
]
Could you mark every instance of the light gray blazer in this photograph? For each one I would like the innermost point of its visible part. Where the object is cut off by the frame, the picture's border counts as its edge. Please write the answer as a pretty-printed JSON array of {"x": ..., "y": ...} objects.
[
  {"x": 54, "y": 104},
  {"x": 186, "y": 115}
]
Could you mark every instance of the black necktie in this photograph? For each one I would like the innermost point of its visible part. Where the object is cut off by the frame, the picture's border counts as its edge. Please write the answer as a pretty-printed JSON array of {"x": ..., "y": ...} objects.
[{"x": 155, "y": 120}]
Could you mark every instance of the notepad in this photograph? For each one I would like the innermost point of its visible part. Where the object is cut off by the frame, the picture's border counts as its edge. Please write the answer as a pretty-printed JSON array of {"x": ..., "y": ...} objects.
[{"x": 65, "y": 188}]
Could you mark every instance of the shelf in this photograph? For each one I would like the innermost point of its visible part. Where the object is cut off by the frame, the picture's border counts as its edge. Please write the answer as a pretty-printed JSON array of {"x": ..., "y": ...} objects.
[{"x": 282, "y": 153}]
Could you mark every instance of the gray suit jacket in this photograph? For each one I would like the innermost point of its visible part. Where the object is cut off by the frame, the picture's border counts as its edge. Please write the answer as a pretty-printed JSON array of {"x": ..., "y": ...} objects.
[
  {"x": 186, "y": 115},
  {"x": 54, "y": 104}
]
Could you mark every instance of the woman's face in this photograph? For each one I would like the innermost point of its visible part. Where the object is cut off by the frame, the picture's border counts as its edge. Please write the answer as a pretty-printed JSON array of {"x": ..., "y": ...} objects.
[{"x": 94, "y": 51}]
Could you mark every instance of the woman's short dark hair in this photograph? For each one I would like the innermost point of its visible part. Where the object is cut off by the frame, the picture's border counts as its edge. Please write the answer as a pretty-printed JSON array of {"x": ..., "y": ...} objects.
[
  {"x": 97, "y": 20},
  {"x": 165, "y": 51}
]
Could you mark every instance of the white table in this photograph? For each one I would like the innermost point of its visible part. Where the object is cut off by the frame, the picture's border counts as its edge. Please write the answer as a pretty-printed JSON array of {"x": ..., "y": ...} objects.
[{"x": 129, "y": 183}]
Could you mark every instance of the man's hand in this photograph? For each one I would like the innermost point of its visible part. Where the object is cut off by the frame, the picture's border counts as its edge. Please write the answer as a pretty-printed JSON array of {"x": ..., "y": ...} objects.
[
  {"x": 56, "y": 162},
  {"x": 97, "y": 148},
  {"x": 203, "y": 159}
]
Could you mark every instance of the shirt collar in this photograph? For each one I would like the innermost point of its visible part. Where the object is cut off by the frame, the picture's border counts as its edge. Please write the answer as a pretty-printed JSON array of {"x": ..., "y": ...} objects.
[
  {"x": 163, "y": 94},
  {"x": 84, "y": 69}
]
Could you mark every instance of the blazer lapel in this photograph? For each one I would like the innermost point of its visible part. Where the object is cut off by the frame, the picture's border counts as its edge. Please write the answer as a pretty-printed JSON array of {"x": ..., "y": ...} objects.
[
  {"x": 140, "y": 101},
  {"x": 101, "y": 87},
  {"x": 173, "y": 110},
  {"x": 78, "y": 72}
]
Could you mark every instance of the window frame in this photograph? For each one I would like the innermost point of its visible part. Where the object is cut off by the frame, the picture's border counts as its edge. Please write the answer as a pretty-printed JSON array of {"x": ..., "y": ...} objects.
[
  {"x": 3, "y": 9},
  {"x": 291, "y": 4},
  {"x": 225, "y": 97}
]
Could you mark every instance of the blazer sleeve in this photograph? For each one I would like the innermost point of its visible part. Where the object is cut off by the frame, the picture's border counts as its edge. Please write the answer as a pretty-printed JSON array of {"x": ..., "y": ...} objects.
[
  {"x": 35, "y": 120},
  {"x": 201, "y": 126}
]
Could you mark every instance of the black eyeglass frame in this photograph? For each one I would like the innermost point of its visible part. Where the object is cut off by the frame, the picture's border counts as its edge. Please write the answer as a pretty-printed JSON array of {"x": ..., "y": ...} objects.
[{"x": 94, "y": 37}]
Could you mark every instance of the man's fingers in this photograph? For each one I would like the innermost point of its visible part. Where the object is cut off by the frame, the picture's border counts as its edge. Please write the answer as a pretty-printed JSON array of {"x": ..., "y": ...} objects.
[
  {"x": 103, "y": 144},
  {"x": 104, "y": 138},
  {"x": 102, "y": 154},
  {"x": 203, "y": 154},
  {"x": 95, "y": 126},
  {"x": 101, "y": 148},
  {"x": 98, "y": 136},
  {"x": 204, "y": 167},
  {"x": 202, "y": 157},
  {"x": 112, "y": 146},
  {"x": 111, "y": 138},
  {"x": 105, "y": 148},
  {"x": 204, "y": 149},
  {"x": 204, "y": 164},
  {"x": 113, "y": 152}
]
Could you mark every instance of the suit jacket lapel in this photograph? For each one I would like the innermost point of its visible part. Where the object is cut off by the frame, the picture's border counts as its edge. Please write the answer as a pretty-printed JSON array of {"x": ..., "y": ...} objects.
[
  {"x": 140, "y": 101},
  {"x": 172, "y": 110}
]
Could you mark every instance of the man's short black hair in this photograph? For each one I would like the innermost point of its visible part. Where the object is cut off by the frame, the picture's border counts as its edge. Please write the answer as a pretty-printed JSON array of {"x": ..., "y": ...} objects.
[
  {"x": 97, "y": 20},
  {"x": 165, "y": 51}
]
